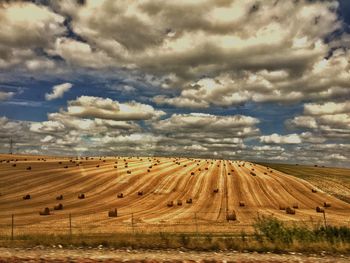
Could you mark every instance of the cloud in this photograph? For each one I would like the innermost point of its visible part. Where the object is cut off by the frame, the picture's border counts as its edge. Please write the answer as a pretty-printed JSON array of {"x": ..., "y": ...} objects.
[
  {"x": 281, "y": 139},
  {"x": 95, "y": 107},
  {"x": 6, "y": 95},
  {"x": 24, "y": 28},
  {"x": 236, "y": 126},
  {"x": 58, "y": 91},
  {"x": 330, "y": 120},
  {"x": 329, "y": 108}
]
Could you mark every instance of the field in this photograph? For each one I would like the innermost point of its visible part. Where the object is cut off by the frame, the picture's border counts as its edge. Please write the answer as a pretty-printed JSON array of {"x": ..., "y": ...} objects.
[
  {"x": 263, "y": 190},
  {"x": 335, "y": 181}
]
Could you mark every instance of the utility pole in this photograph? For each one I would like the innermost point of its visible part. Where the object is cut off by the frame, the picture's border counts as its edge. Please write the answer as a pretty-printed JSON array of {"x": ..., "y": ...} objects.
[{"x": 11, "y": 146}]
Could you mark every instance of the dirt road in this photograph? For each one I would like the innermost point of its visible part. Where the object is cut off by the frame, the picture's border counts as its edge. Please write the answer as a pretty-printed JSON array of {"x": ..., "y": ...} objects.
[{"x": 111, "y": 255}]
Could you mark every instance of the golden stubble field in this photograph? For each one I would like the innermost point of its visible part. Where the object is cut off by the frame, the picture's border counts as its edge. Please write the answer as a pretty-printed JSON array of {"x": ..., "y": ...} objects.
[{"x": 161, "y": 180}]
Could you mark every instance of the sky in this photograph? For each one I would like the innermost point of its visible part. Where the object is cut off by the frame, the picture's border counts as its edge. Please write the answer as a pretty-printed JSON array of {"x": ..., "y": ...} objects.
[{"x": 264, "y": 80}]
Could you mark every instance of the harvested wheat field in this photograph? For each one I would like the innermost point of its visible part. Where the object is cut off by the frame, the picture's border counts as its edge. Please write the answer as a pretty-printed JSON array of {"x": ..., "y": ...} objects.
[{"x": 115, "y": 194}]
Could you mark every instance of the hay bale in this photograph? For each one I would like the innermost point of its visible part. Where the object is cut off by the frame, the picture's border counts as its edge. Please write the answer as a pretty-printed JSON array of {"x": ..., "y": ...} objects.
[
  {"x": 241, "y": 203},
  {"x": 282, "y": 207},
  {"x": 179, "y": 202},
  {"x": 185, "y": 165},
  {"x": 128, "y": 172},
  {"x": 148, "y": 170},
  {"x": 199, "y": 169},
  {"x": 231, "y": 216},
  {"x": 97, "y": 166},
  {"x": 216, "y": 190},
  {"x": 206, "y": 168},
  {"x": 189, "y": 201},
  {"x": 58, "y": 207},
  {"x": 81, "y": 196},
  {"x": 29, "y": 168},
  {"x": 295, "y": 206},
  {"x": 319, "y": 209},
  {"x": 265, "y": 173},
  {"x": 140, "y": 193},
  {"x": 45, "y": 212},
  {"x": 253, "y": 174},
  {"x": 14, "y": 165},
  {"x": 327, "y": 204},
  {"x": 120, "y": 195},
  {"x": 113, "y": 213},
  {"x": 26, "y": 197},
  {"x": 229, "y": 173},
  {"x": 313, "y": 190},
  {"x": 290, "y": 211},
  {"x": 60, "y": 197},
  {"x": 115, "y": 166},
  {"x": 170, "y": 203},
  {"x": 192, "y": 173}
]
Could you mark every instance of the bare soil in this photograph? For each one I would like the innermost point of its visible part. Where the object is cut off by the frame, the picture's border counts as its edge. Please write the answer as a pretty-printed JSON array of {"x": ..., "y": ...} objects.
[{"x": 40, "y": 254}]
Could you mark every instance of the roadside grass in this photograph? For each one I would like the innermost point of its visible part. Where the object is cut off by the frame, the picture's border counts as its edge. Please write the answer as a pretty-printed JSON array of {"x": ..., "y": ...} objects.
[{"x": 270, "y": 235}]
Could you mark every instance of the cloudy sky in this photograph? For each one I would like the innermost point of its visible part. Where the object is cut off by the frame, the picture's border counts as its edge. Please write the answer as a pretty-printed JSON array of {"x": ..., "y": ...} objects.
[{"x": 265, "y": 80}]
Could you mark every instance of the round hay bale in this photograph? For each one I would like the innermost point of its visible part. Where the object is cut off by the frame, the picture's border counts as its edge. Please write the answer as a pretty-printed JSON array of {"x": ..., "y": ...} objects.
[
  {"x": 58, "y": 207},
  {"x": 113, "y": 213},
  {"x": 313, "y": 190},
  {"x": 327, "y": 204},
  {"x": 14, "y": 165},
  {"x": 128, "y": 172},
  {"x": 140, "y": 193},
  {"x": 206, "y": 168},
  {"x": 170, "y": 203},
  {"x": 45, "y": 212},
  {"x": 216, "y": 190},
  {"x": 253, "y": 174},
  {"x": 295, "y": 206},
  {"x": 60, "y": 197},
  {"x": 265, "y": 173},
  {"x": 282, "y": 207},
  {"x": 290, "y": 211},
  {"x": 192, "y": 173},
  {"x": 26, "y": 197},
  {"x": 120, "y": 195},
  {"x": 179, "y": 202},
  {"x": 29, "y": 168},
  {"x": 319, "y": 209},
  {"x": 97, "y": 166},
  {"x": 241, "y": 203},
  {"x": 189, "y": 201},
  {"x": 231, "y": 216},
  {"x": 148, "y": 170},
  {"x": 81, "y": 196}
]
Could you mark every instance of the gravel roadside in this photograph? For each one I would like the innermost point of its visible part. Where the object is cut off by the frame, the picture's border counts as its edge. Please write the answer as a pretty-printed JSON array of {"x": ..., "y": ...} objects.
[{"x": 57, "y": 254}]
